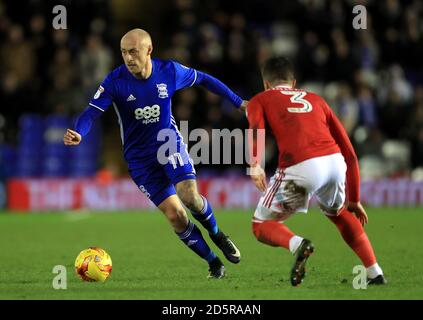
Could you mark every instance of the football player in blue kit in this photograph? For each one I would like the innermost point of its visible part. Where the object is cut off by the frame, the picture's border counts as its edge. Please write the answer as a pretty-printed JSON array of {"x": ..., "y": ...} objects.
[{"x": 140, "y": 91}]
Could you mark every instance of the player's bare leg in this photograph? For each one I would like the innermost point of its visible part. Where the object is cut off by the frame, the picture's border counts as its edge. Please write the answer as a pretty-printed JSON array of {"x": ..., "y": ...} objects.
[
  {"x": 352, "y": 231},
  {"x": 277, "y": 234},
  {"x": 189, "y": 233},
  {"x": 175, "y": 213},
  {"x": 188, "y": 193},
  {"x": 202, "y": 211}
]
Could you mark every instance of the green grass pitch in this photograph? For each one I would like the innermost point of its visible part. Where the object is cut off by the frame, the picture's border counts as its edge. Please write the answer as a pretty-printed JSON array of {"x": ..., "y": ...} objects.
[{"x": 150, "y": 262}]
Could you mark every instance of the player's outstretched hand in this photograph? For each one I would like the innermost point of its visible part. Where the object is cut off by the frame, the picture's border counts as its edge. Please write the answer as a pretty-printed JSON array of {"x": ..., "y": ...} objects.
[
  {"x": 357, "y": 208},
  {"x": 71, "y": 138},
  {"x": 258, "y": 175}
]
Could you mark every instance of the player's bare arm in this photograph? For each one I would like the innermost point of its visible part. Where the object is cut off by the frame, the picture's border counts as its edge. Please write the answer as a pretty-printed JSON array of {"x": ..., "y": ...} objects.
[
  {"x": 258, "y": 175},
  {"x": 353, "y": 171},
  {"x": 358, "y": 209},
  {"x": 244, "y": 105},
  {"x": 71, "y": 138},
  {"x": 257, "y": 149}
]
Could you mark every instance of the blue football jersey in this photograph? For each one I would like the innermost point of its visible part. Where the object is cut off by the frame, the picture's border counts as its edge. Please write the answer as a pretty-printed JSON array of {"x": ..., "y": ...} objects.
[{"x": 143, "y": 106}]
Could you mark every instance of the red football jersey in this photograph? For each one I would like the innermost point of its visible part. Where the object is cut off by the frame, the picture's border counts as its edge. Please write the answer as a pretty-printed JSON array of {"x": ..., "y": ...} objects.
[{"x": 304, "y": 127}]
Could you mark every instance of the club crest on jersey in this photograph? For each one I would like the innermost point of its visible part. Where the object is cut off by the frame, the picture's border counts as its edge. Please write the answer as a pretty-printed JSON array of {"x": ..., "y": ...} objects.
[
  {"x": 99, "y": 92},
  {"x": 162, "y": 89}
]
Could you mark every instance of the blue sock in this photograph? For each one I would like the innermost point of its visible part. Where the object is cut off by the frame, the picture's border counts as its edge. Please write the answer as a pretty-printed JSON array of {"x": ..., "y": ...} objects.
[
  {"x": 206, "y": 217},
  {"x": 193, "y": 238}
]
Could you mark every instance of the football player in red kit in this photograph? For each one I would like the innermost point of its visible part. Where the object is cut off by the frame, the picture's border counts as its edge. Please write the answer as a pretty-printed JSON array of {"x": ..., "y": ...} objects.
[{"x": 315, "y": 157}]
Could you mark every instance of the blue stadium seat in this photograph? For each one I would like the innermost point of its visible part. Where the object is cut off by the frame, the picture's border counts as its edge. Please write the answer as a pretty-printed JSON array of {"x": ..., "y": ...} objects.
[
  {"x": 29, "y": 151},
  {"x": 31, "y": 128},
  {"x": 28, "y": 167},
  {"x": 55, "y": 128},
  {"x": 60, "y": 121},
  {"x": 82, "y": 168},
  {"x": 7, "y": 161},
  {"x": 55, "y": 150},
  {"x": 41, "y": 151},
  {"x": 53, "y": 166},
  {"x": 31, "y": 138},
  {"x": 31, "y": 122},
  {"x": 84, "y": 157},
  {"x": 81, "y": 151}
]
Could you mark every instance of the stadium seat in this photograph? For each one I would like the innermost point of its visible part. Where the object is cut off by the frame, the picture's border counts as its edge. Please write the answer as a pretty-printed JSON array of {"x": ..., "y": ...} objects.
[
  {"x": 84, "y": 157},
  {"x": 55, "y": 150},
  {"x": 55, "y": 127},
  {"x": 41, "y": 151},
  {"x": 28, "y": 167},
  {"x": 31, "y": 122},
  {"x": 31, "y": 128},
  {"x": 31, "y": 138},
  {"x": 7, "y": 161},
  {"x": 82, "y": 168},
  {"x": 54, "y": 166}
]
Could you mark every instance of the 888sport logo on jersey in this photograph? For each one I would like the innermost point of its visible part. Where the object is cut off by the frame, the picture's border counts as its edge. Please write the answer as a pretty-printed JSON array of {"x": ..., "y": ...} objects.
[{"x": 148, "y": 114}]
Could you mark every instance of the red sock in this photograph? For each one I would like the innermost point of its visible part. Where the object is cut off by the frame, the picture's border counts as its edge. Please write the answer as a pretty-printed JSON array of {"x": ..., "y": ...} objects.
[
  {"x": 354, "y": 235},
  {"x": 273, "y": 233}
]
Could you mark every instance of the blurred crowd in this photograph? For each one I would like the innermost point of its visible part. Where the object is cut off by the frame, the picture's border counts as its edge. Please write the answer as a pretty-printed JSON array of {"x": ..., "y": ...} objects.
[{"x": 372, "y": 78}]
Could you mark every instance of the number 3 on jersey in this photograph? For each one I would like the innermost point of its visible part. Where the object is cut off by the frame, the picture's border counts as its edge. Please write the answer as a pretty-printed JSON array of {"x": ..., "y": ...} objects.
[{"x": 297, "y": 97}]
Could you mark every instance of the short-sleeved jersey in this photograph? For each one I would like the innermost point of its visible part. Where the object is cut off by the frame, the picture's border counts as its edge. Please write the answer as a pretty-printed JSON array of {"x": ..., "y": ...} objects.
[{"x": 143, "y": 107}]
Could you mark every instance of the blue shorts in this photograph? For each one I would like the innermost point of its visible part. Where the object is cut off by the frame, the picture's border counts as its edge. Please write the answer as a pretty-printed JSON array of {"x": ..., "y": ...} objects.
[{"x": 157, "y": 181}]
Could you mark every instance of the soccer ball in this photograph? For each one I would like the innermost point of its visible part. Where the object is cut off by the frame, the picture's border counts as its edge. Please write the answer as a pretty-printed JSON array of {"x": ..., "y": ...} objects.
[{"x": 93, "y": 264}]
